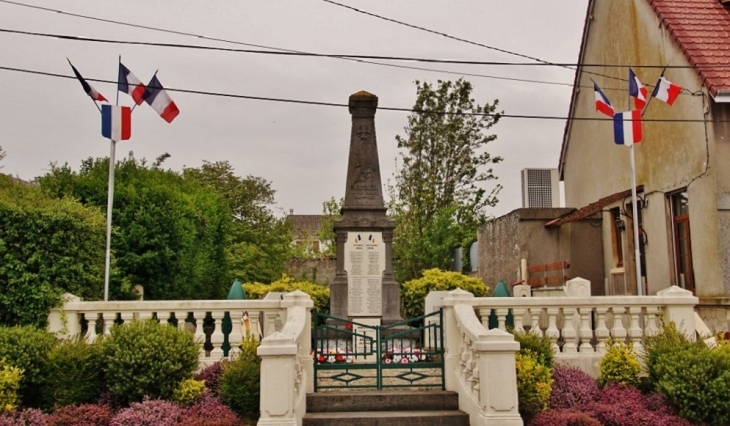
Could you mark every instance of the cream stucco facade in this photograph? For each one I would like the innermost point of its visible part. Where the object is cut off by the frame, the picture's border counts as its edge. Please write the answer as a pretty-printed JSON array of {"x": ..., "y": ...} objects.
[{"x": 691, "y": 155}]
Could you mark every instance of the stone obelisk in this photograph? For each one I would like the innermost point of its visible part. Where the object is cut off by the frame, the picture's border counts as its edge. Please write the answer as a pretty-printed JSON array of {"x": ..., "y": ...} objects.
[{"x": 364, "y": 286}]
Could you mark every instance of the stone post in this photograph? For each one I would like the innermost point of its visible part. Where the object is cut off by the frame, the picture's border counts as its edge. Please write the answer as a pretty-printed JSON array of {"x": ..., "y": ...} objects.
[
  {"x": 65, "y": 321},
  {"x": 679, "y": 307},
  {"x": 498, "y": 378},
  {"x": 452, "y": 337},
  {"x": 278, "y": 357}
]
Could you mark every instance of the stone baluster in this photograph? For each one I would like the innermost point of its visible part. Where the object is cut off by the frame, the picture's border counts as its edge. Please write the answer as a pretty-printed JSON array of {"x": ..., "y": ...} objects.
[
  {"x": 109, "y": 318},
  {"x": 237, "y": 330},
  {"x": 585, "y": 330},
  {"x": 570, "y": 336},
  {"x": 199, "y": 333},
  {"x": 144, "y": 315},
  {"x": 619, "y": 331},
  {"x": 602, "y": 332},
  {"x": 127, "y": 316},
  {"x": 502, "y": 318},
  {"x": 651, "y": 328},
  {"x": 91, "y": 317},
  {"x": 180, "y": 316},
  {"x": 634, "y": 330},
  {"x": 484, "y": 316},
  {"x": 217, "y": 337},
  {"x": 518, "y": 314},
  {"x": 270, "y": 317},
  {"x": 552, "y": 330}
]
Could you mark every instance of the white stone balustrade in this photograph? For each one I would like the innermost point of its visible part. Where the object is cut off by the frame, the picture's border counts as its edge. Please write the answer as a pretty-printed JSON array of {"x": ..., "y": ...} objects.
[
  {"x": 264, "y": 315},
  {"x": 479, "y": 364},
  {"x": 579, "y": 326}
]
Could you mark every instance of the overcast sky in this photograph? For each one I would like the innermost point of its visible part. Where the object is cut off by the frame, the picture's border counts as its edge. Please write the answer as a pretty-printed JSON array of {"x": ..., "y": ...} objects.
[{"x": 301, "y": 149}]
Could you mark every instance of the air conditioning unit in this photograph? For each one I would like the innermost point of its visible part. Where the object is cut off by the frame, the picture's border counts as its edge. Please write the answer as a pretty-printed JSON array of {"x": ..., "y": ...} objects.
[{"x": 540, "y": 188}]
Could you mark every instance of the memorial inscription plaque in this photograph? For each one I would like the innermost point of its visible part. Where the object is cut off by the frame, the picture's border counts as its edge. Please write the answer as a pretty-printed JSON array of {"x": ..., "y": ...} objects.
[{"x": 364, "y": 263}]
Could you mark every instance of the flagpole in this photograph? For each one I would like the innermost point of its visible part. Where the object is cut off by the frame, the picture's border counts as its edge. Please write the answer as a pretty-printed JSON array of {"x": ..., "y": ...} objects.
[
  {"x": 639, "y": 286},
  {"x": 110, "y": 205}
]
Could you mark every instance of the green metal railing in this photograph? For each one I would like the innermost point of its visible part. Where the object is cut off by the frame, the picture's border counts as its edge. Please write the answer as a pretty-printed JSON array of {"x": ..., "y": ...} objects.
[{"x": 353, "y": 355}]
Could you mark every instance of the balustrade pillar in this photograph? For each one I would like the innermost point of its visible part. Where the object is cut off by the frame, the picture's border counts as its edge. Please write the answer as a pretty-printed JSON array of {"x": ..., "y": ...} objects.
[
  {"x": 552, "y": 329},
  {"x": 602, "y": 332},
  {"x": 217, "y": 337},
  {"x": 569, "y": 333},
  {"x": 585, "y": 330}
]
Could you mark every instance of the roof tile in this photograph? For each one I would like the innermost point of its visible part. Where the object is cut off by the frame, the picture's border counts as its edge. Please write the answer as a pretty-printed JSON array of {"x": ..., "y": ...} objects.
[{"x": 701, "y": 28}]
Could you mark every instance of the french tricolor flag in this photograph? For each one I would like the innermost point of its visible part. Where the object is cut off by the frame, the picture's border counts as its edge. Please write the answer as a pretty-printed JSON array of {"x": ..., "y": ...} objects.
[
  {"x": 130, "y": 84},
  {"x": 627, "y": 127},
  {"x": 666, "y": 91},
  {"x": 602, "y": 103},
  {"x": 637, "y": 90},
  {"x": 160, "y": 101},
  {"x": 116, "y": 122},
  {"x": 93, "y": 93}
]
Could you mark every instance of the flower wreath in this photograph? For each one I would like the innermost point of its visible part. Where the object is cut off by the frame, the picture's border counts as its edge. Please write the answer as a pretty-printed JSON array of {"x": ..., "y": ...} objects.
[
  {"x": 405, "y": 356},
  {"x": 334, "y": 356}
]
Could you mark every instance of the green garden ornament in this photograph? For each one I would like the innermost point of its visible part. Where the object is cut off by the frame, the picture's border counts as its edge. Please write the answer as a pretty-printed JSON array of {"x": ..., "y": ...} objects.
[{"x": 237, "y": 292}]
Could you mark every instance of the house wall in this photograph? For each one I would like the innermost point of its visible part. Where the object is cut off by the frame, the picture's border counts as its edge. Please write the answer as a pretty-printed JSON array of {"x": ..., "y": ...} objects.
[
  {"x": 522, "y": 234},
  {"x": 721, "y": 154},
  {"x": 673, "y": 155},
  {"x": 321, "y": 271}
]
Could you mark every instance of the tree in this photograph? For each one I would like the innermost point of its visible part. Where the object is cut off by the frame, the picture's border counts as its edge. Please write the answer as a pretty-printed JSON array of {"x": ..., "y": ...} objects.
[
  {"x": 169, "y": 233},
  {"x": 331, "y": 210},
  {"x": 260, "y": 242},
  {"x": 2, "y": 155},
  {"x": 439, "y": 198}
]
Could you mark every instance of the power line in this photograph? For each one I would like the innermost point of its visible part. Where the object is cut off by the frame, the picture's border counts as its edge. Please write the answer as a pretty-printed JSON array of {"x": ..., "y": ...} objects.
[
  {"x": 204, "y": 37},
  {"x": 343, "y": 105},
  {"x": 329, "y": 55}
]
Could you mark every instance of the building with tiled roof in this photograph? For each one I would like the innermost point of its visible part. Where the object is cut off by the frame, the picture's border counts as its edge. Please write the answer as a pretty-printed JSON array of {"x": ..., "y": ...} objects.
[{"x": 681, "y": 163}]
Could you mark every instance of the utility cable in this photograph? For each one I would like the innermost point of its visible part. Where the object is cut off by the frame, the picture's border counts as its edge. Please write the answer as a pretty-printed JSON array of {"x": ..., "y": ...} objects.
[
  {"x": 204, "y": 37},
  {"x": 342, "y": 105}
]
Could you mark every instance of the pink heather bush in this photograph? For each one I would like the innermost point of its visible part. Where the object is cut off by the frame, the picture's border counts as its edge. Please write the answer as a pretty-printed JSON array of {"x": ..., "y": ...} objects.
[
  {"x": 563, "y": 418},
  {"x": 82, "y": 415},
  {"x": 150, "y": 412},
  {"x": 212, "y": 376},
  {"x": 27, "y": 417},
  {"x": 619, "y": 405},
  {"x": 572, "y": 388},
  {"x": 208, "y": 410}
]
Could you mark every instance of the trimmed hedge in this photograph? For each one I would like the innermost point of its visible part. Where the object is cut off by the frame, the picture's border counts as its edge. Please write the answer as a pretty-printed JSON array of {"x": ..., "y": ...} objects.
[
  {"x": 147, "y": 359},
  {"x": 320, "y": 294},
  {"x": 75, "y": 372},
  {"x": 28, "y": 348},
  {"x": 413, "y": 293},
  {"x": 47, "y": 247}
]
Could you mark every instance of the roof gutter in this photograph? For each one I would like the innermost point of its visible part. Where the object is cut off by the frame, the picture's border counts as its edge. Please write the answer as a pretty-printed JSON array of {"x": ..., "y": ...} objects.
[{"x": 722, "y": 97}]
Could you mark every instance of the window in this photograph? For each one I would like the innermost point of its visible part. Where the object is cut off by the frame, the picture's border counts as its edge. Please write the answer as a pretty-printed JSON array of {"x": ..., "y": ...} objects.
[{"x": 682, "y": 241}]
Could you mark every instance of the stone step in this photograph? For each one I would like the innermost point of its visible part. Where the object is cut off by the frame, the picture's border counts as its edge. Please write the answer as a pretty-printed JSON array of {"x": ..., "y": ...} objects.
[
  {"x": 388, "y": 418},
  {"x": 371, "y": 401}
]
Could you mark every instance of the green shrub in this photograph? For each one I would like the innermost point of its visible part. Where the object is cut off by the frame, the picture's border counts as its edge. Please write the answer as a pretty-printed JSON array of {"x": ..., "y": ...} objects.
[
  {"x": 536, "y": 345},
  {"x": 320, "y": 294},
  {"x": 696, "y": 381},
  {"x": 47, "y": 247},
  {"x": 27, "y": 348},
  {"x": 188, "y": 391},
  {"x": 534, "y": 384},
  {"x": 413, "y": 293},
  {"x": 9, "y": 384},
  {"x": 668, "y": 340},
  {"x": 240, "y": 382},
  {"x": 75, "y": 372},
  {"x": 619, "y": 365},
  {"x": 144, "y": 358}
]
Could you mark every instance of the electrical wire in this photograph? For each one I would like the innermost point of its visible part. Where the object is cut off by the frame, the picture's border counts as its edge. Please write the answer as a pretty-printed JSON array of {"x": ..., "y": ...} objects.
[
  {"x": 204, "y": 37},
  {"x": 342, "y": 105},
  {"x": 330, "y": 55}
]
